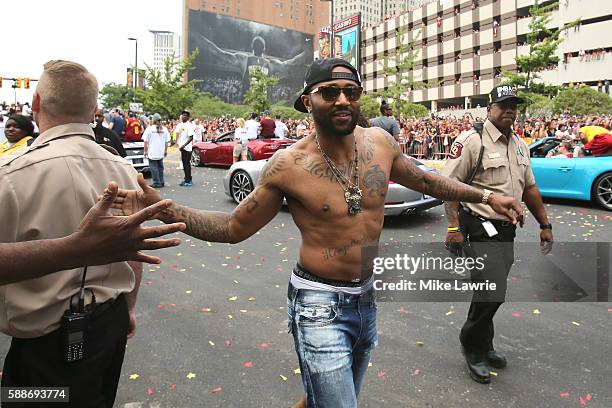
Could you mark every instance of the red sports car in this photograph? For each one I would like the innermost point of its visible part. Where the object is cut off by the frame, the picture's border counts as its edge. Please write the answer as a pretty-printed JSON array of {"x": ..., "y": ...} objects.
[{"x": 219, "y": 151}]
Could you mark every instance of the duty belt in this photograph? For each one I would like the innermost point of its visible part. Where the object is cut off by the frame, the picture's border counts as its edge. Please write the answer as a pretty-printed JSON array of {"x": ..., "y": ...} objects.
[{"x": 497, "y": 223}]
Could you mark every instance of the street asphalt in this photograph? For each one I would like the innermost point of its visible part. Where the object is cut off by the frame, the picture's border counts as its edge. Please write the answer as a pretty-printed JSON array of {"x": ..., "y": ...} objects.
[{"x": 212, "y": 325}]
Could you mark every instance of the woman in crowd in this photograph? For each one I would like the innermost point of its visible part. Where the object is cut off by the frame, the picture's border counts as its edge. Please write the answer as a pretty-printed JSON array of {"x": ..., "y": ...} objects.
[
  {"x": 19, "y": 132},
  {"x": 241, "y": 141}
]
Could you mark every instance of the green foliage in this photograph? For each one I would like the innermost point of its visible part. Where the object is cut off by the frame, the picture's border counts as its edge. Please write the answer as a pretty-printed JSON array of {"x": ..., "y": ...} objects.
[
  {"x": 399, "y": 67},
  {"x": 113, "y": 95},
  {"x": 370, "y": 107},
  {"x": 543, "y": 43},
  {"x": 167, "y": 92},
  {"x": 416, "y": 110},
  {"x": 286, "y": 112},
  {"x": 210, "y": 107},
  {"x": 537, "y": 105},
  {"x": 257, "y": 95},
  {"x": 582, "y": 101}
]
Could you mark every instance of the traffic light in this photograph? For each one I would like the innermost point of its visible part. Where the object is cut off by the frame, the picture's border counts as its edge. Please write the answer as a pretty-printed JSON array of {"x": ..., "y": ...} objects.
[
  {"x": 17, "y": 82},
  {"x": 26, "y": 83}
]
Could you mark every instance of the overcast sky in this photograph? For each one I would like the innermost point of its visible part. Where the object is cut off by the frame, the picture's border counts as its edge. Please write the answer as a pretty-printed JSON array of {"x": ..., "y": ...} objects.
[{"x": 93, "y": 33}]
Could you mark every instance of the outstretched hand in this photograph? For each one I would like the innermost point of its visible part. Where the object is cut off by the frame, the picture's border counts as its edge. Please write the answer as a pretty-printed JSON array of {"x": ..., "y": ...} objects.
[
  {"x": 128, "y": 202},
  {"x": 508, "y": 207},
  {"x": 105, "y": 238}
]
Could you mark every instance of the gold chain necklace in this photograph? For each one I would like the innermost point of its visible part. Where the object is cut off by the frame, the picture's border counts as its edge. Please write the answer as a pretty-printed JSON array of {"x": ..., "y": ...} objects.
[{"x": 352, "y": 192}]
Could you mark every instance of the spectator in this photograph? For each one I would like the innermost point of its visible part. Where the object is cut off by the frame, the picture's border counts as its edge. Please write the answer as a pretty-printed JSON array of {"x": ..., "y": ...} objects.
[
  {"x": 105, "y": 136},
  {"x": 267, "y": 125},
  {"x": 18, "y": 131},
  {"x": 241, "y": 141},
  {"x": 563, "y": 151},
  {"x": 280, "y": 131},
  {"x": 252, "y": 127},
  {"x": 156, "y": 140}
]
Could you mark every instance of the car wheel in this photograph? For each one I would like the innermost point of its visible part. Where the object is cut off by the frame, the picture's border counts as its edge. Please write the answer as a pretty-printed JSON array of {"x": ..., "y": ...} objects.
[
  {"x": 602, "y": 191},
  {"x": 241, "y": 185},
  {"x": 195, "y": 158},
  {"x": 249, "y": 155}
]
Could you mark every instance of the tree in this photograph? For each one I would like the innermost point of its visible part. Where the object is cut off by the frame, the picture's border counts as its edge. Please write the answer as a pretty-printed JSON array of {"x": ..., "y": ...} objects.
[
  {"x": 370, "y": 106},
  {"x": 209, "y": 107},
  {"x": 582, "y": 101},
  {"x": 167, "y": 93},
  {"x": 113, "y": 95},
  {"x": 257, "y": 95},
  {"x": 543, "y": 44},
  {"x": 286, "y": 112},
  {"x": 398, "y": 68},
  {"x": 416, "y": 110}
]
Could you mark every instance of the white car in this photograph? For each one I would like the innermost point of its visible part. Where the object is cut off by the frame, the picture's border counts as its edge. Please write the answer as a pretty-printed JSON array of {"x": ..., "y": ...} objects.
[
  {"x": 135, "y": 155},
  {"x": 241, "y": 178}
]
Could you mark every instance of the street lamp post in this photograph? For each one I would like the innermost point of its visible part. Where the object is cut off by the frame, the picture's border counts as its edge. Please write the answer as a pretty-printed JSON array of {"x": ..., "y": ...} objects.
[{"x": 135, "y": 75}]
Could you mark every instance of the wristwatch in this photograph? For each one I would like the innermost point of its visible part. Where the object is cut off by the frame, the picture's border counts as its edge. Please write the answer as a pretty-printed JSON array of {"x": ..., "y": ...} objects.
[
  {"x": 546, "y": 226},
  {"x": 485, "y": 196}
]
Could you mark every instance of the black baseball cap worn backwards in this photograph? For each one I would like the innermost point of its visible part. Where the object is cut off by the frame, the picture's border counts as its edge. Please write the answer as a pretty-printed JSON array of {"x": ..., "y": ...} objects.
[
  {"x": 503, "y": 93},
  {"x": 321, "y": 71}
]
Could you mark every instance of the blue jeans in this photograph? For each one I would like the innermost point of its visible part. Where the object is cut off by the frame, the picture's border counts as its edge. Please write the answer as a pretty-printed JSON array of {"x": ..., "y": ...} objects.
[
  {"x": 334, "y": 334},
  {"x": 157, "y": 170}
]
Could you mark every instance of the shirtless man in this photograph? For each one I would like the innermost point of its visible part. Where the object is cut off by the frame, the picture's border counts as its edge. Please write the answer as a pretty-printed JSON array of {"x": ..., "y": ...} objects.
[{"x": 338, "y": 205}]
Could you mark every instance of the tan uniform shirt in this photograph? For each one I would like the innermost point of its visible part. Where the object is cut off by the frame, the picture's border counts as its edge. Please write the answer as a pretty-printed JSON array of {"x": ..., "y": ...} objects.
[
  {"x": 505, "y": 168},
  {"x": 45, "y": 191}
]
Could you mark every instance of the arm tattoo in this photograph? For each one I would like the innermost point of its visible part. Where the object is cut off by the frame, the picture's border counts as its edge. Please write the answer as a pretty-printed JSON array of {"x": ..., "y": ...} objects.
[
  {"x": 439, "y": 186},
  {"x": 451, "y": 208},
  {"x": 392, "y": 144},
  {"x": 205, "y": 225},
  {"x": 368, "y": 154},
  {"x": 375, "y": 180},
  {"x": 272, "y": 167}
]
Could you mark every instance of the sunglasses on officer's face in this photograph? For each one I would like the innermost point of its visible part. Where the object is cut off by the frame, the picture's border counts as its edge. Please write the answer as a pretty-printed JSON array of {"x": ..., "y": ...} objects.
[{"x": 331, "y": 93}]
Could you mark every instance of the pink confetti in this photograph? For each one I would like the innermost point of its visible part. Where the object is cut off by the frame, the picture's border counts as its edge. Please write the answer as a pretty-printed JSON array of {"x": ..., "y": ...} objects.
[
  {"x": 610, "y": 310},
  {"x": 228, "y": 343},
  {"x": 160, "y": 307},
  {"x": 263, "y": 346},
  {"x": 248, "y": 364},
  {"x": 416, "y": 371},
  {"x": 173, "y": 387},
  {"x": 149, "y": 391},
  {"x": 206, "y": 309},
  {"x": 402, "y": 309},
  {"x": 564, "y": 394},
  {"x": 174, "y": 266},
  {"x": 173, "y": 304},
  {"x": 216, "y": 390},
  {"x": 381, "y": 373},
  {"x": 588, "y": 397},
  {"x": 516, "y": 314},
  {"x": 582, "y": 401}
]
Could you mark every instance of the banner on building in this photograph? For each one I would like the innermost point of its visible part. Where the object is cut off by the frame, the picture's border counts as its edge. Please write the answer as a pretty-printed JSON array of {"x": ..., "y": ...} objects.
[
  {"x": 347, "y": 40},
  {"x": 231, "y": 48},
  {"x": 130, "y": 78}
]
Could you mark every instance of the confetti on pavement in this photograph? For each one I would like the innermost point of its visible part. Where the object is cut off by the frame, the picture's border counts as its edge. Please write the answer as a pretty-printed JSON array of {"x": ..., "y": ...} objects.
[
  {"x": 576, "y": 323},
  {"x": 516, "y": 314},
  {"x": 297, "y": 371},
  {"x": 416, "y": 371},
  {"x": 536, "y": 311},
  {"x": 134, "y": 376},
  {"x": 283, "y": 377},
  {"x": 493, "y": 373},
  {"x": 191, "y": 376},
  {"x": 380, "y": 374},
  {"x": 264, "y": 346},
  {"x": 248, "y": 364},
  {"x": 216, "y": 390}
]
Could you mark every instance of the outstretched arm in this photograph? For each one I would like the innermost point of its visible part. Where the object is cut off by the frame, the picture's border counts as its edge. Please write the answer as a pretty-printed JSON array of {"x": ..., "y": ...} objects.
[
  {"x": 255, "y": 211},
  {"x": 101, "y": 239},
  {"x": 210, "y": 50},
  {"x": 406, "y": 173}
]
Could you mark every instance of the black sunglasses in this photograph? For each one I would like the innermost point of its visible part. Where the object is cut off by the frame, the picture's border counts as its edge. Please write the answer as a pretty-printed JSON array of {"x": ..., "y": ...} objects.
[{"x": 331, "y": 93}]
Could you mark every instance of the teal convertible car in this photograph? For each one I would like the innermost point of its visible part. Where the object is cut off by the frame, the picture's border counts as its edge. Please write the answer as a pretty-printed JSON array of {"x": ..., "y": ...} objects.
[{"x": 580, "y": 178}]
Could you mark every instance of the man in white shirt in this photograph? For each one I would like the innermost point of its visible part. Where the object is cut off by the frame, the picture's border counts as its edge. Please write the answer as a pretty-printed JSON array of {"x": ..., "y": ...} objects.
[
  {"x": 252, "y": 127},
  {"x": 198, "y": 131},
  {"x": 281, "y": 129},
  {"x": 184, "y": 139},
  {"x": 156, "y": 138}
]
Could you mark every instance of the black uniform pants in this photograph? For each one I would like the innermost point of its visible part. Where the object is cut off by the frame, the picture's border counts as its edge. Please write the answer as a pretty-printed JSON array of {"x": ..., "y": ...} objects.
[
  {"x": 186, "y": 159},
  {"x": 497, "y": 253},
  {"x": 93, "y": 381}
]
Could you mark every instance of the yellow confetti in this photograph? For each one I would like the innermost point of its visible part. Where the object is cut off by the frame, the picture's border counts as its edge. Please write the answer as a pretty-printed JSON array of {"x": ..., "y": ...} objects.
[
  {"x": 235, "y": 281},
  {"x": 191, "y": 376},
  {"x": 223, "y": 264},
  {"x": 243, "y": 310},
  {"x": 209, "y": 244},
  {"x": 233, "y": 298},
  {"x": 369, "y": 365},
  {"x": 211, "y": 343},
  {"x": 536, "y": 311},
  {"x": 576, "y": 323},
  {"x": 251, "y": 299},
  {"x": 134, "y": 376},
  {"x": 203, "y": 266},
  {"x": 283, "y": 377},
  {"x": 230, "y": 316},
  {"x": 297, "y": 371},
  {"x": 182, "y": 270},
  {"x": 188, "y": 292},
  {"x": 228, "y": 257},
  {"x": 152, "y": 270},
  {"x": 237, "y": 266},
  {"x": 451, "y": 311},
  {"x": 179, "y": 254},
  {"x": 419, "y": 343},
  {"x": 493, "y": 373}
]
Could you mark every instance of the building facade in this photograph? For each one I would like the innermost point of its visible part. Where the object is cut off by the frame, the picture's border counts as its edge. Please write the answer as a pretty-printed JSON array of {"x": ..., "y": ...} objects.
[
  {"x": 373, "y": 12},
  {"x": 165, "y": 44},
  {"x": 464, "y": 45}
]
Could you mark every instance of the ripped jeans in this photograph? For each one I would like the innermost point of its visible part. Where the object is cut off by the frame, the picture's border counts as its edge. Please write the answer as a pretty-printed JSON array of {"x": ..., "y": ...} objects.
[{"x": 334, "y": 334}]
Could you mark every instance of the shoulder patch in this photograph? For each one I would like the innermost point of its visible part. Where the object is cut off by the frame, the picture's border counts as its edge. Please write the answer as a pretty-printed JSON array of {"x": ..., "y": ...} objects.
[
  {"x": 455, "y": 151},
  {"x": 463, "y": 137}
]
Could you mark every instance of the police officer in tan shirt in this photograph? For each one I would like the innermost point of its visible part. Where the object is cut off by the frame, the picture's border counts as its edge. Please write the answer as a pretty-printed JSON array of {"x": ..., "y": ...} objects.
[
  {"x": 45, "y": 192},
  {"x": 505, "y": 169}
]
